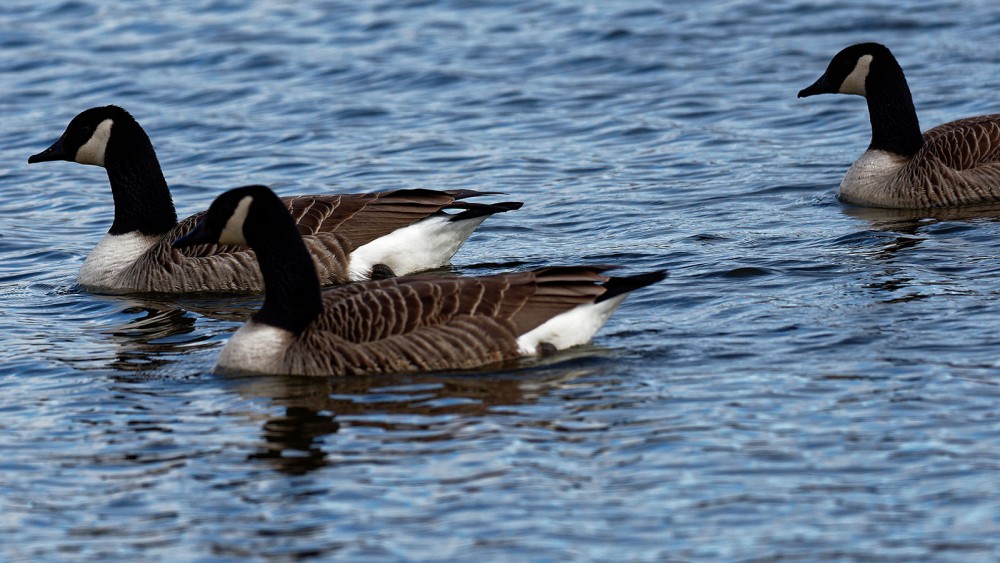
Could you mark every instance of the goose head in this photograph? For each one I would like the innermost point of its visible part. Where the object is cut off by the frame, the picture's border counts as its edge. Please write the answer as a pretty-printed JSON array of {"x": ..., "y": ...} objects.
[
  {"x": 852, "y": 69},
  {"x": 232, "y": 217},
  {"x": 254, "y": 216},
  {"x": 88, "y": 135}
]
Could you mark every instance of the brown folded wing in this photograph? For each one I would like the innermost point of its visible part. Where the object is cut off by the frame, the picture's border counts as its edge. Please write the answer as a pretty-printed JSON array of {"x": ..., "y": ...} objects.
[
  {"x": 959, "y": 164},
  {"x": 423, "y": 324},
  {"x": 332, "y": 227}
]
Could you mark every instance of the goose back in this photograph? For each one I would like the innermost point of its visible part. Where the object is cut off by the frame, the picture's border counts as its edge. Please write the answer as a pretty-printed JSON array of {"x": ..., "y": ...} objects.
[
  {"x": 417, "y": 324},
  {"x": 332, "y": 227},
  {"x": 957, "y": 165},
  {"x": 397, "y": 232},
  {"x": 954, "y": 164}
]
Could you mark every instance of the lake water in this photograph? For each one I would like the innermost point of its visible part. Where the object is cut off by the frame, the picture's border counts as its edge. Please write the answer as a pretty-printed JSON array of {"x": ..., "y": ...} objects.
[{"x": 813, "y": 381}]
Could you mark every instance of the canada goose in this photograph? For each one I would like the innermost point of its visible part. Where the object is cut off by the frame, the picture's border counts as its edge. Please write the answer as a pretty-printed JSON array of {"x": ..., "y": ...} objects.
[
  {"x": 396, "y": 325},
  {"x": 954, "y": 164},
  {"x": 350, "y": 237}
]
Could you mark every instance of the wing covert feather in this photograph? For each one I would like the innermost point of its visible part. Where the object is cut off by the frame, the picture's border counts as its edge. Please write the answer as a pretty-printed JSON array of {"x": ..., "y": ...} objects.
[
  {"x": 332, "y": 226},
  {"x": 426, "y": 323}
]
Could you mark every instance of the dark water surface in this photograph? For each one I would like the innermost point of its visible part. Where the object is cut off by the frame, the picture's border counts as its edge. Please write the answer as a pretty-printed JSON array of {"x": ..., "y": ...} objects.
[{"x": 813, "y": 381}]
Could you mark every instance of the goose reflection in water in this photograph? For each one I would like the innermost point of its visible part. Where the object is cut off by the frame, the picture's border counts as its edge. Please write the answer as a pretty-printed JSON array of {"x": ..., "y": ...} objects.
[
  {"x": 410, "y": 411},
  {"x": 159, "y": 333},
  {"x": 910, "y": 220}
]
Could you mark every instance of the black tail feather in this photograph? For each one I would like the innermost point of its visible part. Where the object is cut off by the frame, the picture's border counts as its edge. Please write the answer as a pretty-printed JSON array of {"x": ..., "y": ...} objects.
[
  {"x": 473, "y": 210},
  {"x": 465, "y": 194},
  {"x": 618, "y": 285}
]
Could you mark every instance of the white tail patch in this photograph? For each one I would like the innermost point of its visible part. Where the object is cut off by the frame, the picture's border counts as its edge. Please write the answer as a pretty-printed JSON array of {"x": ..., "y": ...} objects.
[
  {"x": 110, "y": 257},
  {"x": 92, "y": 152},
  {"x": 424, "y": 245},
  {"x": 855, "y": 82},
  {"x": 572, "y": 328},
  {"x": 233, "y": 231}
]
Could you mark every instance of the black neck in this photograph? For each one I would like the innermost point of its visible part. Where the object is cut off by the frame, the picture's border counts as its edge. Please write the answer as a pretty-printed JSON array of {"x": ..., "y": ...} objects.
[
  {"x": 142, "y": 198},
  {"x": 291, "y": 285},
  {"x": 895, "y": 127}
]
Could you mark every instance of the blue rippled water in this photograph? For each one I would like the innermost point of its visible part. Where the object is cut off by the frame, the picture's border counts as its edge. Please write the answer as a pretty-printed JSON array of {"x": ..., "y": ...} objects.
[{"x": 813, "y": 381}]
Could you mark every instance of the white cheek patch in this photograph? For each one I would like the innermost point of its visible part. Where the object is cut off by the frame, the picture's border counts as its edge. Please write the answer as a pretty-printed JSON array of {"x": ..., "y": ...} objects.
[
  {"x": 233, "y": 233},
  {"x": 855, "y": 82},
  {"x": 92, "y": 152}
]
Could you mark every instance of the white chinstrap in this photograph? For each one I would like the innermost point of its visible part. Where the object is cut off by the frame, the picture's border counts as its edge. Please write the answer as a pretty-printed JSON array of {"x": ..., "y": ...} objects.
[
  {"x": 233, "y": 231},
  {"x": 92, "y": 152},
  {"x": 855, "y": 82}
]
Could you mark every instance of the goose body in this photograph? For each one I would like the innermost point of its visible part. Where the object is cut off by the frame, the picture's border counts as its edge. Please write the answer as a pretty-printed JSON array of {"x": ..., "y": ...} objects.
[
  {"x": 954, "y": 164},
  {"x": 397, "y": 325},
  {"x": 349, "y": 236}
]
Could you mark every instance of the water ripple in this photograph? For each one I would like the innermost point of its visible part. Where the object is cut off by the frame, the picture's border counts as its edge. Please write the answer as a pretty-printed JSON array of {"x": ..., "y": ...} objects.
[{"x": 813, "y": 380}]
